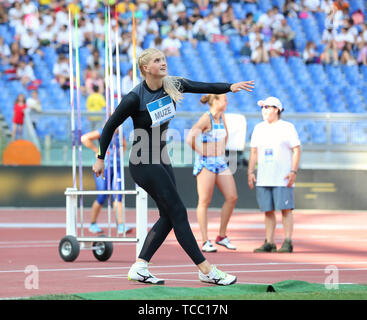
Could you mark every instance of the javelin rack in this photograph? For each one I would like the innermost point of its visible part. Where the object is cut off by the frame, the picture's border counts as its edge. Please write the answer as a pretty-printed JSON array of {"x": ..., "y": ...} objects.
[{"x": 71, "y": 244}]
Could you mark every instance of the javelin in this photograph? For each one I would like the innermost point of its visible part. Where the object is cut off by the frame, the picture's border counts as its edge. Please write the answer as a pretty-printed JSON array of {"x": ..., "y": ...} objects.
[
  {"x": 107, "y": 116},
  {"x": 121, "y": 132},
  {"x": 112, "y": 97},
  {"x": 79, "y": 117},
  {"x": 71, "y": 81},
  {"x": 134, "y": 49}
]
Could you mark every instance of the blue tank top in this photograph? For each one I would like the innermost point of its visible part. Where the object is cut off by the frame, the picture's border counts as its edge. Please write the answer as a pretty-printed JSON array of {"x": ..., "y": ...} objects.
[{"x": 217, "y": 132}]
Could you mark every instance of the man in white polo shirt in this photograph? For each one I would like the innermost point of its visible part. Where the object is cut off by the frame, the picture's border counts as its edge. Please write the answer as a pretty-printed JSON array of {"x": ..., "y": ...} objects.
[{"x": 275, "y": 148}]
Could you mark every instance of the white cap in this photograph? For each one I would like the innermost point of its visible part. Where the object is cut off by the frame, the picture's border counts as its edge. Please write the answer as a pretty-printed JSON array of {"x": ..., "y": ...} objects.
[{"x": 271, "y": 101}]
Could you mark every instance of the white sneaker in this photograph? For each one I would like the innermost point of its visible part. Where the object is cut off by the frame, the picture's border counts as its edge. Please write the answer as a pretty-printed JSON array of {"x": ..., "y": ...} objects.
[
  {"x": 226, "y": 243},
  {"x": 139, "y": 272},
  {"x": 208, "y": 247},
  {"x": 217, "y": 277}
]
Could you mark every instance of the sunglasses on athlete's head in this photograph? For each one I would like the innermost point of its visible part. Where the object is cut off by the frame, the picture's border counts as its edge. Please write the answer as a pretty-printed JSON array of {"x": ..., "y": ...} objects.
[{"x": 267, "y": 107}]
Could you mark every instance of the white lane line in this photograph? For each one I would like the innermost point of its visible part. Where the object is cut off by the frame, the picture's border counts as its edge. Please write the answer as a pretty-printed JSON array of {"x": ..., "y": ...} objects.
[
  {"x": 117, "y": 276},
  {"x": 326, "y": 263}
]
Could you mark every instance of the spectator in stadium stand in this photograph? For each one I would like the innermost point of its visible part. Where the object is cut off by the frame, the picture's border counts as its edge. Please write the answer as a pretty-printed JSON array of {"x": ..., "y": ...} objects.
[
  {"x": 182, "y": 18},
  {"x": 185, "y": 33},
  {"x": 199, "y": 30},
  {"x": 228, "y": 23},
  {"x": 330, "y": 53},
  {"x": 202, "y": 4},
  {"x": 74, "y": 7},
  {"x": 95, "y": 103},
  {"x": 29, "y": 41},
  {"x": 15, "y": 15},
  {"x": 62, "y": 40},
  {"x": 362, "y": 46},
  {"x": 309, "y": 54},
  {"x": 62, "y": 17},
  {"x": 159, "y": 13},
  {"x": 344, "y": 43},
  {"x": 274, "y": 47},
  {"x": 147, "y": 26},
  {"x": 340, "y": 4},
  {"x": 156, "y": 43},
  {"x": 291, "y": 9},
  {"x": 4, "y": 52},
  {"x": 286, "y": 35},
  {"x": 44, "y": 33},
  {"x": 275, "y": 149},
  {"x": 171, "y": 45},
  {"x": 326, "y": 6},
  {"x": 259, "y": 54},
  {"x": 4, "y": 18},
  {"x": 93, "y": 58},
  {"x": 61, "y": 71},
  {"x": 311, "y": 5},
  {"x": 44, "y": 4},
  {"x": 265, "y": 22},
  {"x": 18, "y": 117},
  {"x": 127, "y": 82},
  {"x": 195, "y": 16},
  {"x": 28, "y": 7},
  {"x": 85, "y": 31},
  {"x": 212, "y": 26},
  {"x": 173, "y": 8},
  {"x": 33, "y": 103},
  {"x": 90, "y": 7},
  {"x": 94, "y": 80},
  {"x": 277, "y": 18},
  {"x": 247, "y": 24},
  {"x": 14, "y": 54},
  {"x": 337, "y": 17},
  {"x": 25, "y": 73}
]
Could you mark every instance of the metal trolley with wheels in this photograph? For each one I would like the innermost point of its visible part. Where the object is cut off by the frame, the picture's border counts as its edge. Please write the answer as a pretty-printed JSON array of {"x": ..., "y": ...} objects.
[{"x": 101, "y": 246}]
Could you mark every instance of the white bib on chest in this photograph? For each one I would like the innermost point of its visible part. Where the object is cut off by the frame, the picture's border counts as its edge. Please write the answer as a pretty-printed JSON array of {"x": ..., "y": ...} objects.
[{"x": 161, "y": 110}]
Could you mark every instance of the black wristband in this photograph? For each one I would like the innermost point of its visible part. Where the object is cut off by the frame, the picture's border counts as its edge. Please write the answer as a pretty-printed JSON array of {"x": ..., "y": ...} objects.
[{"x": 294, "y": 171}]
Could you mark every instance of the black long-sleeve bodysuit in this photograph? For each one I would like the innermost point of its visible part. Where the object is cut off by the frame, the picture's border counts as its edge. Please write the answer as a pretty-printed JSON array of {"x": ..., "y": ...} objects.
[{"x": 153, "y": 173}]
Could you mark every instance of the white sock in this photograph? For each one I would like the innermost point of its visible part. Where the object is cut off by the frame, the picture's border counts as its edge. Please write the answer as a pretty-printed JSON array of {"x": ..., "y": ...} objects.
[{"x": 141, "y": 264}]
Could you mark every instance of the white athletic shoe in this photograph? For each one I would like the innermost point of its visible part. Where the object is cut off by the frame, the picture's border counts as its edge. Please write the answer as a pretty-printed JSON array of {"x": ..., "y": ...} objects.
[
  {"x": 139, "y": 272},
  {"x": 208, "y": 247},
  {"x": 217, "y": 277},
  {"x": 225, "y": 243}
]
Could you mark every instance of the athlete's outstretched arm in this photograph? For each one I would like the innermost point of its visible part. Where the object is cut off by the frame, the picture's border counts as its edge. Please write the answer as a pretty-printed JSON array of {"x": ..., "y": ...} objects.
[{"x": 215, "y": 88}]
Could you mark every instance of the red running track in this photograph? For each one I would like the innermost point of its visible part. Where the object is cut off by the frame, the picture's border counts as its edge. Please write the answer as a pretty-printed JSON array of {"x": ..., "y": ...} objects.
[{"x": 322, "y": 241}]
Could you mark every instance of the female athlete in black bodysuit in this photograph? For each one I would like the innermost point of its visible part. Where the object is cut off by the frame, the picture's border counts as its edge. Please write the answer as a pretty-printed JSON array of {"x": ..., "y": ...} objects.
[{"x": 151, "y": 105}]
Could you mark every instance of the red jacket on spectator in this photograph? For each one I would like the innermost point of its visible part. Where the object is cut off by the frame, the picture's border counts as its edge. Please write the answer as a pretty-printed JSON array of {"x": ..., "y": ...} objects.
[{"x": 19, "y": 113}]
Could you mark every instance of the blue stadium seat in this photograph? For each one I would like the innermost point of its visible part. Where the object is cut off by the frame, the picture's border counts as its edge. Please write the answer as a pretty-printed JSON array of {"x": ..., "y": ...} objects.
[
  {"x": 339, "y": 133},
  {"x": 311, "y": 29},
  {"x": 358, "y": 133},
  {"x": 353, "y": 76},
  {"x": 317, "y": 130}
]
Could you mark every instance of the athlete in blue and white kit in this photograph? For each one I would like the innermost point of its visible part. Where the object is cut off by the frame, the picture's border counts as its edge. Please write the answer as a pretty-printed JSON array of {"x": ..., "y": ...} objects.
[
  {"x": 102, "y": 183},
  {"x": 211, "y": 168},
  {"x": 151, "y": 105}
]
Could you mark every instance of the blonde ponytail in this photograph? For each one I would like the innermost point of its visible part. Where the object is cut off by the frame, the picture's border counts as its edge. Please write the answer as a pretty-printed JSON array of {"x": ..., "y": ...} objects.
[{"x": 172, "y": 86}]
